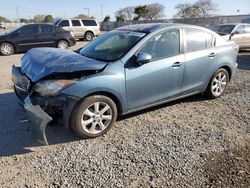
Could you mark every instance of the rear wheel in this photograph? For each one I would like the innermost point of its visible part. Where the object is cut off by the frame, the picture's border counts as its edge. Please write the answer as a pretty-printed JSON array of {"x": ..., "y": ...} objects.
[
  {"x": 217, "y": 84},
  {"x": 89, "y": 36},
  {"x": 94, "y": 116},
  {"x": 63, "y": 44},
  {"x": 7, "y": 49}
]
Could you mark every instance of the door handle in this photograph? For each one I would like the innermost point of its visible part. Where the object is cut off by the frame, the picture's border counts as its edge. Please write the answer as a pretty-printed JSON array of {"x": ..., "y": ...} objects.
[
  {"x": 212, "y": 54},
  {"x": 176, "y": 64}
]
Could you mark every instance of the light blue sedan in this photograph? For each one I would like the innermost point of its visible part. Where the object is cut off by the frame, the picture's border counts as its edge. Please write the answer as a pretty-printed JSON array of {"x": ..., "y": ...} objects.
[{"x": 123, "y": 71}]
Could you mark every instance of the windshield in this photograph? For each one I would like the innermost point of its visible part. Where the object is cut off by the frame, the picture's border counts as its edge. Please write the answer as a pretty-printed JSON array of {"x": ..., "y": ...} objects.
[
  {"x": 112, "y": 45},
  {"x": 15, "y": 29},
  {"x": 223, "y": 29}
]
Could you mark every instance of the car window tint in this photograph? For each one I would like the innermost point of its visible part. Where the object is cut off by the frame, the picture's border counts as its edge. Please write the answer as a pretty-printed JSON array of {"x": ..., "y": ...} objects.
[
  {"x": 247, "y": 28},
  {"x": 29, "y": 29},
  {"x": 47, "y": 28},
  {"x": 76, "y": 23},
  {"x": 89, "y": 22},
  {"x": 240, "y": 29},
  {"x": 197, "y": 40},
  {"x": 64, "y": 23},
  {"x": 164, "y": 45}
]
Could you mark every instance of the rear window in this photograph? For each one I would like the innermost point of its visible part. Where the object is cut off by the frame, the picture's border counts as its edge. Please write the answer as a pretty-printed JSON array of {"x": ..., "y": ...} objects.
[
  {"x": 76, "y": 23},
  {"x": 29, "y": 29},
  {"x": 89, "y": 22},
  {"x": 197, "y": 40},
  {"x": 64, "y": 23},
  {"x": 47, "y": 28}
]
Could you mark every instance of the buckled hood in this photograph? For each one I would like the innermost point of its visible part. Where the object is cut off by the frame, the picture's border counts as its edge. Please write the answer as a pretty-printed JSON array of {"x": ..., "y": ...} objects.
[{"x": 38, "y": 63}]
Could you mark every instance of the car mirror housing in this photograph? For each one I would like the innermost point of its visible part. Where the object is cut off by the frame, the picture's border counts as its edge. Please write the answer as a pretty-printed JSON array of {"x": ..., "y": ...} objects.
[{"x": 143, "y": 58}]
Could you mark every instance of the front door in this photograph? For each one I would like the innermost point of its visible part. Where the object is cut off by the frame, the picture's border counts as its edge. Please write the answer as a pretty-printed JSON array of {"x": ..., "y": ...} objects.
[{"x": 159, "y": 79}]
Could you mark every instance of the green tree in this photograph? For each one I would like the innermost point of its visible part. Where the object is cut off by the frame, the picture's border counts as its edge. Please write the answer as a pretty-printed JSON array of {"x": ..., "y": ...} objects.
[
  {"x": 141, "y": 12},
  {"x": 39, "y": 18},
  {"x": 3, "y": 19},
  {"x": 48, "y": 19},
  {"x": 120, "y": 18},
  {"x": 81, "y": 16},
  {"x": 106, "y": 19},
  {"x": 23, "y": 20}
]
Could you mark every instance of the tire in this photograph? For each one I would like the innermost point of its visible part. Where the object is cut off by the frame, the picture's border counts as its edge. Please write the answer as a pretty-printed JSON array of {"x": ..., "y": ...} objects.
[
  {"x": 63, "y": 44},
  {"x": 88, "y": 36},
  {"x": 7, "y": 49},
  {"x": 87, "y": 118},
  {"x": 217, "y": 84}
]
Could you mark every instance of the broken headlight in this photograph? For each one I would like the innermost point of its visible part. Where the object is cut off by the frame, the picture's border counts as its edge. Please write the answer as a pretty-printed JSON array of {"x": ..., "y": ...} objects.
[{"x": 52, "y": 87}]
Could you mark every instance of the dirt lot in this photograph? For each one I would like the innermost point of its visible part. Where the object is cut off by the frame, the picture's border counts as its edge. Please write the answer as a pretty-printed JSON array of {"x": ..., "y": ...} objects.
[{"x": 193, "y": 142}]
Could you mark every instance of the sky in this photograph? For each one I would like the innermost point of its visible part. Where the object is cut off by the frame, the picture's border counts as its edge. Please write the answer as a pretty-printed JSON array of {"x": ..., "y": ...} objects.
[{"x": 66, "y": 8}]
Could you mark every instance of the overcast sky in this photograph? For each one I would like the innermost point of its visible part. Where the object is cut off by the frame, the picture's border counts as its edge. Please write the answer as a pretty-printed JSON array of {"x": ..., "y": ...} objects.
[{"x": 71, "y": 8}]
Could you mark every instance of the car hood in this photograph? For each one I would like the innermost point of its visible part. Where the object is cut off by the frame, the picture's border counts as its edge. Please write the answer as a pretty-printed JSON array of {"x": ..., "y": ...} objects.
[{"x": 38, "y": 63}]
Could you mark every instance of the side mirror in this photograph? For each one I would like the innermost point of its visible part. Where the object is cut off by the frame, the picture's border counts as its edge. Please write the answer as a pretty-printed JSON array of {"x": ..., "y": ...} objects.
[{"x": 143, "y": 58}]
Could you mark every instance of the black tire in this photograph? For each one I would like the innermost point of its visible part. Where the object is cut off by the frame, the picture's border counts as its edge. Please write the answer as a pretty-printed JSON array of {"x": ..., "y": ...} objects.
[
  {"x": 214, "y": 85},
  {"x": 7, "y": 49},
  {"x": 79, "y": 114},
  {"x": 89, "y": 36},
  {"x": 62, "y": 44}
]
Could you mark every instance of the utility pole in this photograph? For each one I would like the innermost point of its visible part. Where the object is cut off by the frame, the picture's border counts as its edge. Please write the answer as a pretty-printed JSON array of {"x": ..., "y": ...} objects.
[
  {"x": 87, "y": 10},
  {"x": 17, "y": 14},
  {"x": 101, "y": 12}
]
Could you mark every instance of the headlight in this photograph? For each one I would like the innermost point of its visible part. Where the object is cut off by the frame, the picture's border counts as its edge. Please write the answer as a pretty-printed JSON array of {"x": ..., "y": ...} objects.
[{"x": 52, "y": 87}]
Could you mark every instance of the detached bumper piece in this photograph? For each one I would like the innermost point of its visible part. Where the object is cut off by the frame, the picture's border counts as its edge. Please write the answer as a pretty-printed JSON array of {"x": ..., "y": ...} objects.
[{"x": 39, "y": 120}]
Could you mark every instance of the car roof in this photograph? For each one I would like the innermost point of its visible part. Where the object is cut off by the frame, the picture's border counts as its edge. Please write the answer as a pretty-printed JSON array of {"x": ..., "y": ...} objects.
[{"x": 150, "y": 27}]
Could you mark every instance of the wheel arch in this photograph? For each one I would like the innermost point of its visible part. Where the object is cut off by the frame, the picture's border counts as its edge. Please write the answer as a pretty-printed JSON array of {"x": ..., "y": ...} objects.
[
  {"x": 110, "y": 95},
  {"x": 228, "y": 69}
]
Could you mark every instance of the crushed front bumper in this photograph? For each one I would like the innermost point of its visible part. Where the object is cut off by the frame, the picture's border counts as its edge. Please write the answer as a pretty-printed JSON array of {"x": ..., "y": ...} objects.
[{"x": 39, "y": 120}]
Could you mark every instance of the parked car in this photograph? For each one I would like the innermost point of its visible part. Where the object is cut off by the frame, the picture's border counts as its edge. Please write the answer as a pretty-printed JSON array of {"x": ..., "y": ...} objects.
[
  {"x": 2, "y": 26},
  {"x": 82, "y": 29},
  {"x": 240, "y": 33},
  {"x": 30, "y": 36},
  {"x": 123, "y": 71}
]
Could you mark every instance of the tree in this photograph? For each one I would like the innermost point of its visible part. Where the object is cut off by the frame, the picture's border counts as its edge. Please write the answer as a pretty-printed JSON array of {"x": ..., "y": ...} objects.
[
  {"x": 120, "y": 19},
  {"x": 200, "y": 9},
  {"x": 24, "y": 20},
  {"x": 206, "y": 7},
  {"x": 81, "y": 16},
  {"x": 106, "y": 19},
  {"x": 48, "y": 19},
  {"x": 127, "y": 13},
  {"x": 141, "y": 12},
  {"x": 3, "y": 19},
  {"x": 38, "y": 18},
  {"x": 154, "y": 11}
]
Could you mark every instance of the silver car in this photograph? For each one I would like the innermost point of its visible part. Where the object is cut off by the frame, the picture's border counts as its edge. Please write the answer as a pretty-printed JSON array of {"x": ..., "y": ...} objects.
[
  {"x": 239, "y": 33},
  {"x": 82, "y": 29}
]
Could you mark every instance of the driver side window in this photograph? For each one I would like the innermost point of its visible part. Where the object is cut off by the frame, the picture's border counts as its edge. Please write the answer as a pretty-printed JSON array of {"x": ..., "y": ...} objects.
[{"x": 163, "y": 45}]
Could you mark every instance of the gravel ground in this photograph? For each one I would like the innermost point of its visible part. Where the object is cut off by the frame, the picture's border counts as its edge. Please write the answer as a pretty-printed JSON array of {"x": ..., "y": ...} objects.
[{"x": 194, "y": 142}]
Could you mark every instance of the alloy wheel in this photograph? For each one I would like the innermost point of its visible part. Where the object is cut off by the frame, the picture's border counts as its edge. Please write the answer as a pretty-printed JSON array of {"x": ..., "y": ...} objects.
[
  {"x": 96, "y": 118},
  {"x": 219, "y": 83}
]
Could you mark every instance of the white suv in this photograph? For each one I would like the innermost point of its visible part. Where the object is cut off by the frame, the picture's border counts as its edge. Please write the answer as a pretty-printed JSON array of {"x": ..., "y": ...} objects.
[{"x": 82, "y": 29}]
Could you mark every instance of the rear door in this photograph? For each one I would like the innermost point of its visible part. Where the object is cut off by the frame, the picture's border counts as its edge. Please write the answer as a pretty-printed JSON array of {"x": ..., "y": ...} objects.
[
  {"x": 200, "y": 55},
  {"x": 47, "y": 36}
]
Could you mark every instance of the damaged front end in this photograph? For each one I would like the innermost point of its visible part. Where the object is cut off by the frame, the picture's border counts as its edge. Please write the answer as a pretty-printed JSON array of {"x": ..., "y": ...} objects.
[{"x": 43, "y": 101}]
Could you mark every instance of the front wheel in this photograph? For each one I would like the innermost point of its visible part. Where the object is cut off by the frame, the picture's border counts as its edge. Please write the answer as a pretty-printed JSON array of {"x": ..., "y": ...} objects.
[
  {"x": 94, "y": 116},
  {"x": 63, "y": 44},
  {"x": 7, "y": 49},
  {"x": 217, "y": 84}
]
